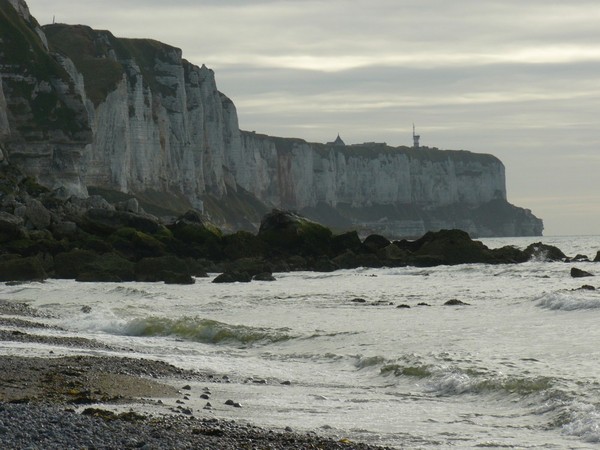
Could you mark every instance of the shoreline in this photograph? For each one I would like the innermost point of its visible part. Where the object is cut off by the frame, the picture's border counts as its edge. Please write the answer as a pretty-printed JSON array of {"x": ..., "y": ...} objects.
[
  {"x": 86, "y": 401},
  {"x": 107, "y": 401}
]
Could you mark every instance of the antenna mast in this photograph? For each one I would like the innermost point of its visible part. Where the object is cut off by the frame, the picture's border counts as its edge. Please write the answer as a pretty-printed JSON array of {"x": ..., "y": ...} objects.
[{"x": 416, "y": 138}]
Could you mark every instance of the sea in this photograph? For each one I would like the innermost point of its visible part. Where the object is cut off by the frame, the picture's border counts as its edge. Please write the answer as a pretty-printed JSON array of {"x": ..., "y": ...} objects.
[{"x": 368, "y": 355}]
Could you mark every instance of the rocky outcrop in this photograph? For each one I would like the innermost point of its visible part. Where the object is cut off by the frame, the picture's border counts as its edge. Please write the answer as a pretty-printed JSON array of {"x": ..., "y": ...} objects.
[{"x": 84, "y": 111}]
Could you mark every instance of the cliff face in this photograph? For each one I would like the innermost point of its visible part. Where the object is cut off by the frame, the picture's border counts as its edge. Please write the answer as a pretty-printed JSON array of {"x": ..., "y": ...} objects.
[
  {"x": 159, "y": 123},
  {"x": 396, "y": 191},
  {"x": 80, "y": 108},
  {"x": 43, "y": 124}
]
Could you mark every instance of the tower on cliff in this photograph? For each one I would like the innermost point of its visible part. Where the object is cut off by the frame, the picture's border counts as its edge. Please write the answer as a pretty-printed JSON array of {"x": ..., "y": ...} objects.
[{"x": 416, "y": 138}]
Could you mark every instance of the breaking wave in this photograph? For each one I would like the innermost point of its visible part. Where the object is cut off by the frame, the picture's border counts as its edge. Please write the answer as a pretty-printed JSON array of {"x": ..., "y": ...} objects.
[
  {"x": 570, "y": 300},
  {"x": 583, "y": 422},
  {"x": 205, "y": 331},
  {"x": 457, "y": 383}
]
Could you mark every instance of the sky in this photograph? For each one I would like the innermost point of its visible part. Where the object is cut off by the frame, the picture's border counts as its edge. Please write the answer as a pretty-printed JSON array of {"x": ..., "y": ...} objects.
[{"x": 519, "y": 80}]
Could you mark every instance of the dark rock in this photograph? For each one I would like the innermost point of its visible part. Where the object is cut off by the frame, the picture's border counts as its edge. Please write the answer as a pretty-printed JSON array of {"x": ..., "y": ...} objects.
[
  {"x": 196, "y": 237},
  {"x": 450, "y": 247},
  {"x": 176, "y": 278},
  {"x": 578, "y": 273},
  {"x": 509, "y": 254},
  {"x": 597, "y": 258},
  {"x": 105, "y": 221},
  {"x": 455, "y": 302},
  {"x": 205, "y": 396},
  {"x": 423, "y": 304},
  {"x": 243, "y": 245},
  {"x": 585, "y": 287},
  {"x": 107, "y": 267},
  {"x": 233, "y": 277},
  {"x": 70, "y": 264},
  {"x": 375, "y": 242},
  {"x": 358, "y": 300},
  {"x": 351, "y": 260},
  {"x": 251, "y": 266},
  {"x": 22, "y": 269},
  {"x": 129, "y": 205},
  {"x": 544, "y": 252},
  {"x": 160, "y": 268},
  {"x": 11, "y": 227},
  {"x": 403, "y": 305},
  {"x": 136, "y": 244},
  {"x": 64, "y": 228},
  {"x": 288, "y": 233},
  {"x": 393, "y": 253},
  {"x": 98, "y": 277},
  {"x": 37, "y": 215},
  {"x": 578, "y": 258},
  {"x": 347, "y": 241},
  {"x": 324, "y": 265},
  {"x": 264, "y": 276},
  {"x": 296, "y": 262}
]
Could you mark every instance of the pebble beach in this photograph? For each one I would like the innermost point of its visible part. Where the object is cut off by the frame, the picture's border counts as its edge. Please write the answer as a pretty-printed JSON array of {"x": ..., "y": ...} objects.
[{"x": 103, "y": 402}]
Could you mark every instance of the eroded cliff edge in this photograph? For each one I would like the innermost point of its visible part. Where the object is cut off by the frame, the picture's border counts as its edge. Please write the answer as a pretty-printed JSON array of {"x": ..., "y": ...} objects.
[{"x": 84, "y": 111}]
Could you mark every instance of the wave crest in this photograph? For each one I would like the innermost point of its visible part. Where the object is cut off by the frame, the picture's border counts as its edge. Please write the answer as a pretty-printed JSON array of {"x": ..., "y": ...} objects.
[
  {"x": 570, "y": 300},
  {"x": 457, "y": 383},
  {"x": 204, "y": 330}
]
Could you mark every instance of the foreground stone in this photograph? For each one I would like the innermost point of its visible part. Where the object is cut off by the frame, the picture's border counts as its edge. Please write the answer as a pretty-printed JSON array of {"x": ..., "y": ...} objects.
[{"x": 578, "y": 273}]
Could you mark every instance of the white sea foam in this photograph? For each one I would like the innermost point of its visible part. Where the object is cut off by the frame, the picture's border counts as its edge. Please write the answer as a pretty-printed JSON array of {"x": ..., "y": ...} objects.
[
  {"x": 585, "y": 422},
  {"x": 570, "y": 300}
]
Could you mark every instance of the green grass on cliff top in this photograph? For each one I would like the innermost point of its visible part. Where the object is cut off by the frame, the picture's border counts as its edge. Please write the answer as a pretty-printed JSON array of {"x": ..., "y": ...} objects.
[
  {"x": 83, "y": 46},
  {"x": 101, "y": 57}
]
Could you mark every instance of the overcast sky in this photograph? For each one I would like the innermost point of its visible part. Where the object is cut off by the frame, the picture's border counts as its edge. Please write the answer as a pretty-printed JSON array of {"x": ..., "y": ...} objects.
[{"x": 518, "y": 79}]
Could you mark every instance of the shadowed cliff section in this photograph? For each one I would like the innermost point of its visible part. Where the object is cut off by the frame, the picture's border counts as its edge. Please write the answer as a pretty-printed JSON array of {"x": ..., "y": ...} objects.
[{"x": 84, "y": 110}]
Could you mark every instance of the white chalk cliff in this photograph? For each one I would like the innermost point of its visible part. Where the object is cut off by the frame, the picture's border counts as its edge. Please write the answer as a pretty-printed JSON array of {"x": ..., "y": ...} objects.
[{"x": 131, "y": 115}]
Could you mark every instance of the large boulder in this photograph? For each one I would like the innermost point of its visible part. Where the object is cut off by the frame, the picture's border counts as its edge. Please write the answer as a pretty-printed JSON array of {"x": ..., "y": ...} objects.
[
  {"x": 21, "y": 269},
  {"x": 233, "y": 277},
  {"x": 37, "y": 215},
  {"x": 108, "y": 267},
  {"x": 70, "y": 264},
  {"x": 340, "y": 243},
  {"x": 544, "y": 252},
  {"x": 106, "y": 221},
  {"x": 243, "y": 245},
  {"x": 375, "y": 242},
  {"x": 196, "y": 237},
  {"x": 578, "y": 273},
  {"x": 164, "y": 268},
  {"x": 135, "y": 244},
  {"x": 11, "y": 227},
  {"x": 288, "y": 233},
  {"x": 394, "y": 254},
  {"x": 509, "y": 254},
  {"x": 597, "y": 258},
  {"x": 450, "y": 247}
]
